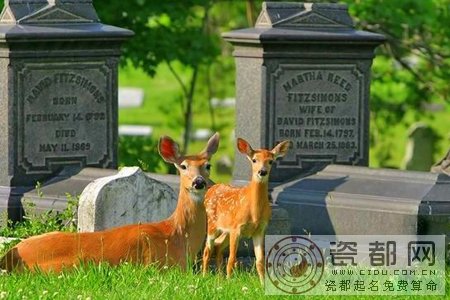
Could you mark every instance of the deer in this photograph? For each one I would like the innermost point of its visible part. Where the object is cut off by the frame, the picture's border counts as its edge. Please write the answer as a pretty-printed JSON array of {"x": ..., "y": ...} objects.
[
  {"x": 170, "y": 242},
  {"x": 235, "y": 212}
]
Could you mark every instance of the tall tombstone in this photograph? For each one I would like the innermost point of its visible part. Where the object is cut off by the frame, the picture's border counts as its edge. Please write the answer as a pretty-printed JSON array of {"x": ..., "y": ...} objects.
[
  {"x": 303, "y": 74},
  {"x": 58, "y": 89},
  {"x": 419, "y": 148}
]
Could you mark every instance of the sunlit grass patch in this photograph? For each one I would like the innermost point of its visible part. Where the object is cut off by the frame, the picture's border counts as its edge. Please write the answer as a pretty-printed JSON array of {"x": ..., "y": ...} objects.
[{"x": 128, "y": 281}]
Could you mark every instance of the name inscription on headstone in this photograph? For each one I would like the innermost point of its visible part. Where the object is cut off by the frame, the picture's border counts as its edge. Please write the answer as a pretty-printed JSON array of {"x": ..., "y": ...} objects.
[
  {"x": 318, "y": 109},
  {"x": 64, "y": 114}
]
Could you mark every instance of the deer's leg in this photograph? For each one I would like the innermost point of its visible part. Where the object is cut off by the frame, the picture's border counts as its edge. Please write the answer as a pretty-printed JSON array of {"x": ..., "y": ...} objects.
[
  {"x": 234, "y": 241},
  {"x": 209, "y": 247},
  {"x": 258, "y": 244},
  {"x": 221, "y": 243}
]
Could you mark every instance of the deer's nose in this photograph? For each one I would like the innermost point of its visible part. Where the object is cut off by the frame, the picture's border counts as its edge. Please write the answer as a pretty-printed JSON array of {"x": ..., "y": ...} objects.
[
  {"x": 262, "y": 172},
  {"x": 199, "y": 183}
]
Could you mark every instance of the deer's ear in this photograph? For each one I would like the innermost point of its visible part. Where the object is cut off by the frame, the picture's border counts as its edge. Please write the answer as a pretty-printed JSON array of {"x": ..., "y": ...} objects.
[
  {"x": 168, "y": 149},
  {"x": 212, "y": 145},
  {"x": 281, "y": 149},
  {"x": 244, "y": 147}
]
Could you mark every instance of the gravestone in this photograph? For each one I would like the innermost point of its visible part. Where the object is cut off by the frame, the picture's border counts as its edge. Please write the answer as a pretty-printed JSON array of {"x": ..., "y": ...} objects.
[
  {"x": 129, "y": 197},
  {"x": 130, "y": 97},
  {"x": 223, "y": 103},
  {"x": 58, "y": 99},
  {"x": 303, "y": 74},
  {"x": 420, "y": 148},
  {"x": 341, "y": 200},
  {"x": 58, "y": 85},
  {"x": 202, "y": 134},
  {"x": 135, "y": 130}
]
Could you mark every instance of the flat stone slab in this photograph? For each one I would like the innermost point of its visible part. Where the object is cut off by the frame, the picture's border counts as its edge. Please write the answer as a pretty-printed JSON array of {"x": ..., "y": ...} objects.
[
  {"x": 227, "y": 102},
  {"x": 135, "y": 130},
  {"x": 130, "y": 97},
  {"x": 129, "y": 197},
  {"x": 343, "y": 200},
  {"x": 202, "y": 134}
]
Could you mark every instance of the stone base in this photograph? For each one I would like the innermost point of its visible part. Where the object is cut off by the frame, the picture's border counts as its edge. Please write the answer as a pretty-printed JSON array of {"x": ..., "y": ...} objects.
[
  {"x": 52, "y": 193},
  {"x": 363, "y": 201}
]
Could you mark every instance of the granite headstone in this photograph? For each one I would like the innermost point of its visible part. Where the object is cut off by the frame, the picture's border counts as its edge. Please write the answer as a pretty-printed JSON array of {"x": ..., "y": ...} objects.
[
  {"x": 303, "y": 74},
  {"x": 58, "y": 89},
  {"x": 129, "y": 197},
  {"x": 58, "y": 95},
  {"x": 420, "y": 147}
]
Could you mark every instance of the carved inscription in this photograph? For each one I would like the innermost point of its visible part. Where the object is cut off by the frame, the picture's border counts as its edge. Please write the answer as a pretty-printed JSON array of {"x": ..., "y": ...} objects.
[
  {"x": 64, "y": 116},
  {"x": 318, "y": 109}
]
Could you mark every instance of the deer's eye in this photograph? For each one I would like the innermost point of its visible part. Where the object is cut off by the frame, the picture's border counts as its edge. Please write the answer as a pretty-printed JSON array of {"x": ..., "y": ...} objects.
[
  {"x": 208, "y": 167},
  {"x": 183, "y": 167},
  {"x": 254, "y": 160},
  {"x": 270, "y": 162}
]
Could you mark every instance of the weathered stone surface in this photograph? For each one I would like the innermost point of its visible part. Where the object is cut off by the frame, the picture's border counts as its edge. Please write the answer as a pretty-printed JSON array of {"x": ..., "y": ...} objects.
[
  {"x": 420, "y": 148},
  {"x": 53, "y": 193},
  {"x": 58, "y": 84},
  {"x": 135, "y": 130},
  {"x": 131, "y": 97},
  {"x": 65, "y": 115},
  {"x": 48, "y": 11},
  {"x": 442, "y": 166},
  {"x": 224, "y": 165},
  {"x": 357, "y": 200},
  {"x": 126, "y": 198},
  {"x": 280, "y": 222},
  {"x": 303, "y": 74}
]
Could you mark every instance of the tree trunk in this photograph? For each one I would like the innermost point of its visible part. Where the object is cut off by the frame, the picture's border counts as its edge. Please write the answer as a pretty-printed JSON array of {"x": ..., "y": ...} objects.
[{"x": 188, "y": 112}]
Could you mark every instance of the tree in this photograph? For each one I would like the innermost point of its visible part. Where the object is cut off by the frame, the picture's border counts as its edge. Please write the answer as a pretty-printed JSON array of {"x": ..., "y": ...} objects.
[
  {"x": 167, "y": 32},
  {"x": 412, "y": 68}
]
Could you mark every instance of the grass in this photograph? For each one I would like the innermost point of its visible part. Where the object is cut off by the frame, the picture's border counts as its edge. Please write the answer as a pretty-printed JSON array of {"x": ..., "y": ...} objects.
[
  {"x": 138, "y": 282},
  {"x": 128, "y": 282}
]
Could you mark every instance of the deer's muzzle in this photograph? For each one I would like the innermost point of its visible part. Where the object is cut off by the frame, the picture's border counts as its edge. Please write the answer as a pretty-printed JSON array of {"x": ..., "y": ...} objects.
[{"x": 199, "y": 183}]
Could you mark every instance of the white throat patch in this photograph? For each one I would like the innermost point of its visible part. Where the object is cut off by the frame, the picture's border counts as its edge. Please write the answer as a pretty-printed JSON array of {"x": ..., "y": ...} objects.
[{"x": 198, "y": 197}]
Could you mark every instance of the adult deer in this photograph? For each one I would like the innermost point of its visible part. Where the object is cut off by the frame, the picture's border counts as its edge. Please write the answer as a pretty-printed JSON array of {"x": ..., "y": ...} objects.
[
  {"x": 235, "y": 212},
  {"x": 169, "y": 242}
]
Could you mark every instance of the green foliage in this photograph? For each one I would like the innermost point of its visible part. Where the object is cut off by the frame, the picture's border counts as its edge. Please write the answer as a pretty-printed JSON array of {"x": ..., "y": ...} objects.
[
  {"x": 142, "y": 152},
  {"x": 35, "y": 223},
  {"x": 165, "y": 31},
  {"x": 412, "y": 68},
  {"x": 175, "y": 32}
]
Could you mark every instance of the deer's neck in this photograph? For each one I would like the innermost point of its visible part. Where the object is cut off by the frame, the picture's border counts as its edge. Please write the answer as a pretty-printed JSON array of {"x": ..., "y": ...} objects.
[
  {"x": 189, "y": 221},
  {"x": 259, "y": 197}
]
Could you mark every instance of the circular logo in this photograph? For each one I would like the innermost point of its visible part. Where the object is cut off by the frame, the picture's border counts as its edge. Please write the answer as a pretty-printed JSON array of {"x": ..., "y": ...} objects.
[{"x": 294, "y": 265}]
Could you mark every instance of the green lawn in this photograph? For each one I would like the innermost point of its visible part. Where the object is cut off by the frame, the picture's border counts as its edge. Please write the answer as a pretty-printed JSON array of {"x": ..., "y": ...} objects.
[{"x": 131, "y": 282}]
